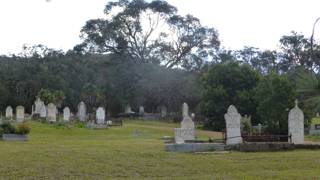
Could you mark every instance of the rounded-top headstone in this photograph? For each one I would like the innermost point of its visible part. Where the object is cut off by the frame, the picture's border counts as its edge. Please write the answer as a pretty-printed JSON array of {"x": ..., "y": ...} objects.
[{"x": 82, "y": 111}]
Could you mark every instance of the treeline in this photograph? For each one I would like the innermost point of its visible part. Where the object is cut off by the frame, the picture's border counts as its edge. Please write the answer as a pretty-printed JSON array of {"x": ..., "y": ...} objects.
[{"x": 128, "y": 59}]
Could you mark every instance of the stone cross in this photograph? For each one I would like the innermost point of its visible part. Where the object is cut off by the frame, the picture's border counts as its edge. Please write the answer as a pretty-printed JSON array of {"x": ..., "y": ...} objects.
[
  {"x": 82, "y": 111},
  {"x": 296, "y": 124},
  {"x": 233, "y": 132},
  {"x": 20, "y": 113},
  {"x": 100, "y": 115},
  {"x": 66, "y": 114},
  {"x": 52, "y": 114},
  {"x": 9, "y": 113}
]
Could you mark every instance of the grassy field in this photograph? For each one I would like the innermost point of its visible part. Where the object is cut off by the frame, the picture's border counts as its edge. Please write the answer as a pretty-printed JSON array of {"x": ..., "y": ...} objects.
[{"x": 135, "y": 151}]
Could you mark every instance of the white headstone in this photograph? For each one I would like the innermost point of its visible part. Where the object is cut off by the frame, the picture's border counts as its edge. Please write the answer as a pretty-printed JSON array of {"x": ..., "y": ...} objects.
[
  {"x": 186, "y": 132},
  {"x": 100, "y": 115},
  {"x": 186, "y": 122},
  {"x": 296, "y": 125},
  {"x": 20, "y": 113},
  {"x": 66, "y": 114},
  {"x": 9, "y": 113},
  {"x": 163, "y": 112},
  {"x": 82, "y": 111},
  {"x": 233, "y": 126},
  {"x": 141, "y": 110},
  {"x": 37, "y": 106},
  {"x": 127, "y": 109},
  {"x": 52, "y": 116},
  {"x": 43, "y": 112}
]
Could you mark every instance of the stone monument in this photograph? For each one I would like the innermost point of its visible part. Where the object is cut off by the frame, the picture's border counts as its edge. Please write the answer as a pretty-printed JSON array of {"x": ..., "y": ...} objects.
[
  {"x": 100, "y": 115},
  {"x": 186, "y": 132},
  {"x": 296, "y": 125},
  {"x": 66, "y": 114},
  {"x": 141, "y": 110},
  {"x": 9, "y": 113},
  {"x": 52, "y": 114},
  {"x": 20, "y": 113},
  {"x": 43, "y": 112},
  {"x": 82, "y": 111},
  {"x": 37, "y": 106},
  {"x": 233, "y": 132}
]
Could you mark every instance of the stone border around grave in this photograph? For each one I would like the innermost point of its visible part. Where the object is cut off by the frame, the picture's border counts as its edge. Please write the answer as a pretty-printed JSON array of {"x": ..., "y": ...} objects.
[{"x": 14, "y": 137}]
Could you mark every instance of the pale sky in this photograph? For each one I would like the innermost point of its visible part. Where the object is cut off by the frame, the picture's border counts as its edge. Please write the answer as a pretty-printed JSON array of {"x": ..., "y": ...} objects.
[{"x": 57, "y": 24}]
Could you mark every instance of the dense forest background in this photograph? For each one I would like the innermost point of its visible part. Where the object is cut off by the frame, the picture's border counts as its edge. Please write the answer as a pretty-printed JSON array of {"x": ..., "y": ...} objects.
[{"x": 148, "y": 55}]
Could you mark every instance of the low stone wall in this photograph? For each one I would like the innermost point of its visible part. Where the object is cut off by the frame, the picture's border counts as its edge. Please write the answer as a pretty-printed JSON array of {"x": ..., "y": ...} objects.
[
  {"x": 261, "y": 147},
  {"x": 194, "y": 147}
]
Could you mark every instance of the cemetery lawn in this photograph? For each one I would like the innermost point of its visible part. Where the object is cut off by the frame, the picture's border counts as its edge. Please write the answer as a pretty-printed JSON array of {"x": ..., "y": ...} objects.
[{"x": 135, "y": 151}]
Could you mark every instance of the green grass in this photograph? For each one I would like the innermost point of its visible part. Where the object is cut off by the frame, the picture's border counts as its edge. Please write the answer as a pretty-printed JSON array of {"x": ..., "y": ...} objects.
[{"x": 135, "y": 151}]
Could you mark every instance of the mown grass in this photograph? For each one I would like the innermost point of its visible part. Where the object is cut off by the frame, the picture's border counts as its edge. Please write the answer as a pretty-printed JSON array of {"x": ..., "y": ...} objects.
[{"x": 135, "y": 151}]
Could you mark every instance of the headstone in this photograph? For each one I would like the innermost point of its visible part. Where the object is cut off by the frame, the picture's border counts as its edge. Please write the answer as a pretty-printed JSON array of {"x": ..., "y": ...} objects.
[
  {"x": 296, "y": 125},
  {"x": 233, "y": 126},
  {"x": 52, "y": 116},
  {"x": 127, "y": 109},
  {"x": 66, "y": 114},
  {"x": 100, "y": 115},
  {"x": 141, "y": 110},
  {"x": 317, "y": 114},
  {"x": 37, "y": 106},
  {"x": 163, "y": 112},
  {"x": 20, "y": 113},
  {"x": 43, "y": 112},
  {"x": 82, "y": 111},
  {"x": 186, "y": 122},
  {"x": 9, "y": 113},
  {"x": 186, "y": 132}
]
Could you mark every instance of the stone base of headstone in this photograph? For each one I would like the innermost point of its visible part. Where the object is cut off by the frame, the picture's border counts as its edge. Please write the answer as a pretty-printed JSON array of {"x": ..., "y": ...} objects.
[
  {"x": 195, "y": 147},
  {"x": 14, "y": 137},
  {"x": 181, "y": 135}
]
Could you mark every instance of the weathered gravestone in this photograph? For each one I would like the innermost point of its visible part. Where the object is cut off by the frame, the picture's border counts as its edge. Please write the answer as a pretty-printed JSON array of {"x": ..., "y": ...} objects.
[
  {"x": 37, "y": 106},
  {"x": 296, "y": 125},
  {"x": 20, "y": 113},
  {"x": 141, "y": 110},
  {"x": 43, "y": 112},
  {"x": 52, "y": 114},
  {"x": 66, "y": 114},
  {"x": 100, "y": 115},
  {"x": 233, "y": 132},
  {"x": 186, "y": 132},
  {"x": 163, "y": 111},
  {"x": 127, "y": 109},
  {"x": 82, "y": 111},
  {"x": 9, "y": 113}
]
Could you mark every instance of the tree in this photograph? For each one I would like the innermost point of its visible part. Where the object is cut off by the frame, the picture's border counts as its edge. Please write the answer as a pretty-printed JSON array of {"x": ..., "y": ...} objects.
[
  {"x": 226, "y": 84},
  {"x": 149, "y": 33},
  {"x": 274, "y": 96}
]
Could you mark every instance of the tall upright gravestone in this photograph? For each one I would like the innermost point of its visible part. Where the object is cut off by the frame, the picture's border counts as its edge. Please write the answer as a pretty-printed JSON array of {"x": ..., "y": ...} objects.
[
  {"x": 82, "y": 111},
  {"x": 233, "y": 132},
  {"x": 66, "y": 114},
  {"x": 38, "y": 104},
  {"x": 296, "y": 125},
  {"x": 43, "y": 112},
  {"x": 20, "y": 113},
  {"x": 52, "y": 114},
  {"x": 100, "y": 115},
  {"x": 9, "y": 113},
  {"x": 186, "y": 132}
]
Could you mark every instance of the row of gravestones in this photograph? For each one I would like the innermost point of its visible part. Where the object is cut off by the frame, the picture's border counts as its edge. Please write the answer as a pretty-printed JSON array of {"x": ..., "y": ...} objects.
[
  {"x": 233, "y": 126},
  {"x": 50, "y": 112},
  {"x": 295, "y": 125}
]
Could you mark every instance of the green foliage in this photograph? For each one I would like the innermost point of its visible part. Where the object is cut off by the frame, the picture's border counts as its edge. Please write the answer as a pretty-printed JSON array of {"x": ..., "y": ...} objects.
[
  {"x": 23, "y": 128},
  {"x": 7, "y": 128},
  {"x": 226, "y": 84},
  {"x": 275, "y": 96},
  {"x": 51, "y": 96}
]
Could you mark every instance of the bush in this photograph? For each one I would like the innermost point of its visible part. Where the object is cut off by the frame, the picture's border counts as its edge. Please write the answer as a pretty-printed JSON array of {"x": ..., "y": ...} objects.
[
  {"x": 23, "y": 128},
  {"x": 7, "y": 128}
]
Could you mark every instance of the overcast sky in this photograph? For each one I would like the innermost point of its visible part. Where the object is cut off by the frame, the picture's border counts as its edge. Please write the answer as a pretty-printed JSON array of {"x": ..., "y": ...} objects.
[{"x": 57, "y": 23}]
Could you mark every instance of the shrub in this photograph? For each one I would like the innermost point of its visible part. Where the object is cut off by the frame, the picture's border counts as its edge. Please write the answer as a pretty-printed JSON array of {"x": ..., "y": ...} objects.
[
  {"x": 23, "y": 128},
  {"x": 7, "y": 128}
]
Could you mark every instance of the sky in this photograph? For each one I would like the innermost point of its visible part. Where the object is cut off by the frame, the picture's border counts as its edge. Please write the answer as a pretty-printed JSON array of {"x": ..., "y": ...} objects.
[{"x": 257, "y": 23}]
